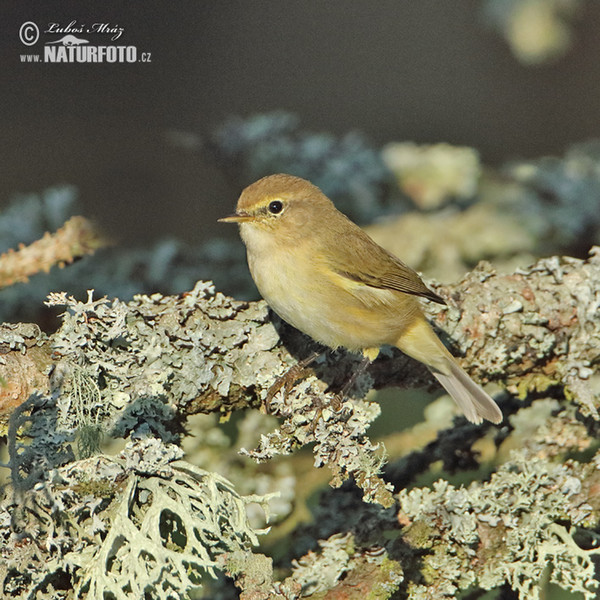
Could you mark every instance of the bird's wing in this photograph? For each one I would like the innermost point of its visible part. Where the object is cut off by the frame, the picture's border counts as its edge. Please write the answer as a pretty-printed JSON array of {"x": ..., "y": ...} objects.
[{"x": 359, "y": 259}]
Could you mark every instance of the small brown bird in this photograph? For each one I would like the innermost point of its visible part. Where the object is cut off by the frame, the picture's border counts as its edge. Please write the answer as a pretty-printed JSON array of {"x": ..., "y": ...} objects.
[{"x": 325, "y": 276}]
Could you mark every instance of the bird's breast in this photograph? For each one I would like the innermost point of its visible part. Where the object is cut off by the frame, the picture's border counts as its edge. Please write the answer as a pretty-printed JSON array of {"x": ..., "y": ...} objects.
[{"x": 301, "y": 288}]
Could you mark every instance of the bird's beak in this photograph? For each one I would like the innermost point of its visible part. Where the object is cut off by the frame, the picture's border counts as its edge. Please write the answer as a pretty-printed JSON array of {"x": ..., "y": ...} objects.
[{"x": 238, "y": 217}]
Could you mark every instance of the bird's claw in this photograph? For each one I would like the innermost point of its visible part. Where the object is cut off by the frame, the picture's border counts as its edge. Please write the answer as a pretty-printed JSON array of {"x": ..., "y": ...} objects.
[{"x": 285, "y": 381}]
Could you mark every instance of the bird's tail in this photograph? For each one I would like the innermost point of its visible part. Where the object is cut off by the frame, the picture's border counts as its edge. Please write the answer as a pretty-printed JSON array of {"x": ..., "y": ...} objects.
[
  {"x": 421, "y": 343},
  {"x": 470, "y": 397}
]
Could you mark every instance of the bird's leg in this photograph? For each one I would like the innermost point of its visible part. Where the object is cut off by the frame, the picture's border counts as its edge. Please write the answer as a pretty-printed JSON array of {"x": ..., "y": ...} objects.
[
  {"x": 337, "y": 400},
  {"x": 336, "y": 403},
  {"x": 289, "y": 378}
]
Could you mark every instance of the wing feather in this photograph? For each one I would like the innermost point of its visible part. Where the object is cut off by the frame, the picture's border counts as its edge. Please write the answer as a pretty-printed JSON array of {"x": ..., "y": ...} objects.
[{"x": 359, "y": 259}]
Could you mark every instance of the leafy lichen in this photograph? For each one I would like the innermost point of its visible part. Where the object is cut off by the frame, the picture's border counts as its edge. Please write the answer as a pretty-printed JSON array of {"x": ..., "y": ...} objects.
[
  {"x": 142, "y": 522},
  {"x": 510, "y": 529}
]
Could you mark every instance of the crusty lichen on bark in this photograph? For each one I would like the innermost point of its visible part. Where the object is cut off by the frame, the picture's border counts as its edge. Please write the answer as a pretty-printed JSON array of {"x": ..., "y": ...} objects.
[
  {"x": 531, "y": 329},
  {"x": 157, "y": 359},
  {"x": 522, "y": 523}
]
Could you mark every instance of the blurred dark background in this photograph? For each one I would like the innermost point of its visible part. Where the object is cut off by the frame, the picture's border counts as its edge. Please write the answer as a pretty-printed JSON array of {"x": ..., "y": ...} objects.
[{"x": 426, "y": 71}]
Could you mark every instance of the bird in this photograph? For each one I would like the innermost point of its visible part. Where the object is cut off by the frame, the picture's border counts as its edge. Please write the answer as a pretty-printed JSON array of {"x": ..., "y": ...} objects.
[{"x": 324, "y": 275}]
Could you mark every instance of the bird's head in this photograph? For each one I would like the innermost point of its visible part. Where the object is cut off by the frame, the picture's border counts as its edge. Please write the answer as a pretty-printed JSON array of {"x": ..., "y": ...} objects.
[{"x": 281, "y": 205}]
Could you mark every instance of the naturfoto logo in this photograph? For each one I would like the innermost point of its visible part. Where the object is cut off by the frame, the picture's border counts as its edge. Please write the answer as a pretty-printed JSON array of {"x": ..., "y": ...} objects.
[{"x": 77, "y": 42}]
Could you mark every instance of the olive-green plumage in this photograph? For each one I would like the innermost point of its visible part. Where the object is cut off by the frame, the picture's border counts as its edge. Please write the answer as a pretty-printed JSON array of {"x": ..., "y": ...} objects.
[{"x": 325, "y": 276}]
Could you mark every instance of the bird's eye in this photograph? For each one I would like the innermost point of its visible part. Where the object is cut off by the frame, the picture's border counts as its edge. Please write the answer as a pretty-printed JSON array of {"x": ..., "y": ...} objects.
[{"x": 275, "y": 207}]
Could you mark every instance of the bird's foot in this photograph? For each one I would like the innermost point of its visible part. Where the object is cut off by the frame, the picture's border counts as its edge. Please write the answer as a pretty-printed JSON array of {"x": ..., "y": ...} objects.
[
  {"x": 336, "y": 404},
  {"x": 286, "y": 381},
  {"x": 362, "y": 367}
]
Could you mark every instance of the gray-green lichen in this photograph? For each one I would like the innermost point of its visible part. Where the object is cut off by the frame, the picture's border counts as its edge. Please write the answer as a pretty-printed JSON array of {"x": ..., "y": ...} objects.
[
  {"x": 159, "y": 358},
  {"x": 136, "y": 370},
  {"x": 338, "y": 436},
  {"x": 339, "y": 566},
  {"x": 139, "y": 368},
  {"x": 512, "y": 529},
  {"x": 144, "y": 522},
  {"x": 532, "y": 329},
  {"x": 212, "y": 449},
  {"x": 178, "y": 352},
  {"x": 76, "y": 523}
]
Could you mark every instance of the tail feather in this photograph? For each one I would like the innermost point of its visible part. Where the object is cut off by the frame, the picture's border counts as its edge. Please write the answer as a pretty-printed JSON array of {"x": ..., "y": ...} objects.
[
  {"x": 420, "y": 342},
  {"x": 470, "y": 397}
]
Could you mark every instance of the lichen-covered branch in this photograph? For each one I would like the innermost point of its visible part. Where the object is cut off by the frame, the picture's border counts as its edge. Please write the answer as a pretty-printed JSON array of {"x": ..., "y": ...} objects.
[
  {"x": 99, "y": 501},
  {"x": 161, "y": 358},
  {"x": 533, "y": 520},
  {"x": 77, "y": 237},
  {"x": 531, "y": 329},
  {"x": 527, "y": 520},
  {"x": 149, "y": 363},
  {"x": 138, "y": 369}
]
